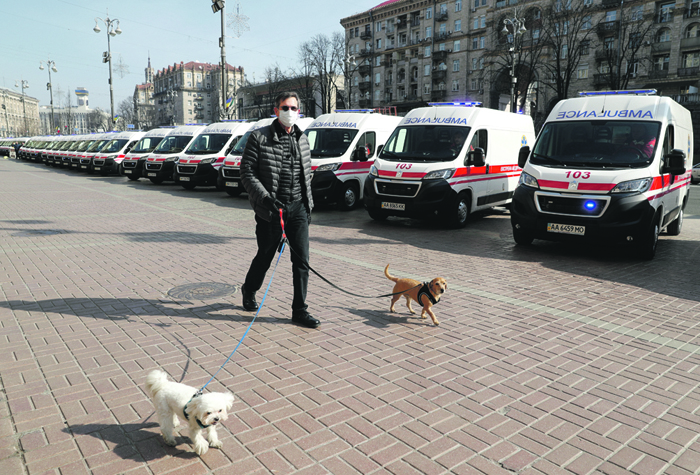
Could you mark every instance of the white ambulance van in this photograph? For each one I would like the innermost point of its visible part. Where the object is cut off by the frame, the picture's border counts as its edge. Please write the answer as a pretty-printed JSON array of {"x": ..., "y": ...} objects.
[
  {"x": 607, "y": 166},
  {"x": 230, "y": 172},
  {"x": 450, "y": 160},
  {"x": 85, "y": 158},
  {"x": 114, "y": 151},
  {"x": 160, "y": 165},
  {"x": 342, "y": 144},
  {"x": 132, "y": 165},
  {"x": 199, "y": 164}
]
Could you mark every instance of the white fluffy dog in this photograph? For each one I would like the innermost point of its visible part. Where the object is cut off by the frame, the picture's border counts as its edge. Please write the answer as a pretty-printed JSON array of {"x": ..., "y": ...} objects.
[{"x": 174, "y": 400}]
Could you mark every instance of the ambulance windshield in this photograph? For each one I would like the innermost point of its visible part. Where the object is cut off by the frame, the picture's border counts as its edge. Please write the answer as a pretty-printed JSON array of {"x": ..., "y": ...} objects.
[
  {"x": 146, "y": 145},
  {"x": 427, "y": 143},
  {"x": 329, "y": 142},
  {"x": 207, "y": 144},
  {"x": 597, "y": 144},
  {"x": 115, "y": 145},
  {"x": 173, "y": 144},
  {"x": 240, "y": 145}
]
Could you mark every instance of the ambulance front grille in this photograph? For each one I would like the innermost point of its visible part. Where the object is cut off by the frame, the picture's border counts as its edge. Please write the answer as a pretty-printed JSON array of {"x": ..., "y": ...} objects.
[{"x": 396, "y": 189}]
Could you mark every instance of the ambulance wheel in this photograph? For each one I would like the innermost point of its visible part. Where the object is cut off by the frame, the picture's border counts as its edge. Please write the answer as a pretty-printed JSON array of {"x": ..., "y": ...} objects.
[
  {"x": 156, "y": 181},
  {"x": 674, "y": 229},
  {"x": 234, "y": 192},
  {"x": 132, "y": 178},
  {"x": 188, "y": 186},
  {"x": 521, "y": 237},
  {"x": 376, "y": 215},
  {"x": 349, "y": 196},
  {"x": 647, "y": 247},
  {"x": 459, "y": 214}
]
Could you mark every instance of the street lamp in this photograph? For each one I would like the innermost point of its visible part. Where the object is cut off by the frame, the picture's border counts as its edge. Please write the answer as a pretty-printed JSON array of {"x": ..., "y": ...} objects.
[
  {"x": 25, "y": 85},
  {"x": 518, "y": 26},
  {"x": 350, "y": 68},
  {"x": 4, "y": 107},
  {"x": 51, "y": 65},
  {"x": 170, "y": 96},
  {"x": 112, "y": 30},
  {"x": 219, "y": 6}
]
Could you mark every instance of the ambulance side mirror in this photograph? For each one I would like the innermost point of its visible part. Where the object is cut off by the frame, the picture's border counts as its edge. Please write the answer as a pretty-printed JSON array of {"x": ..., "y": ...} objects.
[
  {"x": 361, "y": 153},
  {"x": 522, "y": 156},
  {"x": 674, "y": 162},
  {"x": 475, "y": 158}
]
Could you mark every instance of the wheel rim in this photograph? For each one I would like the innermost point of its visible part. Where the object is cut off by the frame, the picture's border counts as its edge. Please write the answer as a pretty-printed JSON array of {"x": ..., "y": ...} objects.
[
  {"x": 462, "y": 211},
  {"x": 350, "y": 197},
  {"x": 680, "y": 220}
]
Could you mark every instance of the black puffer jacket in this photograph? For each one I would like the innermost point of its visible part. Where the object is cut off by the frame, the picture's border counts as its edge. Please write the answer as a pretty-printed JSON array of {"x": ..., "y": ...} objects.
[{"x": 261, "y": 164}]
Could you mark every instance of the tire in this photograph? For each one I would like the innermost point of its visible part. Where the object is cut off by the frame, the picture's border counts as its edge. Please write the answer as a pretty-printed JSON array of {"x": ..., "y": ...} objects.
[
  {"x": 522, "y": 238},
  {"x": 188, "y": 186},
  {"x": 376, "y": 215},
  {"x": 647, "y": 247},
  {"x": 459, "y": 213},
  {"x": 234, "y": 191},
  {"x": 675, "y": 227},
  {"x": 349, "y": 196},
  {"x": 156, "y": 181}
]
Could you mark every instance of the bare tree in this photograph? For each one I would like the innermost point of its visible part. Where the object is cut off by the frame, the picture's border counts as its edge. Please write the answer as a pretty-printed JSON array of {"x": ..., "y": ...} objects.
[
  {"x": 97, "y": 121},
  {"x": 125, "y": 111},
  {"x": 620, "y": 53},
  {"x": 567, "y": 31},
  {"x": 326, "y": 56},
  {"x": 275, "y": 83},
  {"x": 302, "y": 81}
]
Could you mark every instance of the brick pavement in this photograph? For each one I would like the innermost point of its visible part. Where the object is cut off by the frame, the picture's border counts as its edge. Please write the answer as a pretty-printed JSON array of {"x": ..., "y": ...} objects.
[{"x": 548, "y": 360}]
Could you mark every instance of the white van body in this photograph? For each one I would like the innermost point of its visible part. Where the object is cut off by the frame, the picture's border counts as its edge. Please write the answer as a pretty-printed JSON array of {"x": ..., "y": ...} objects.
[
  {"x": 424, "y": 170},
  {"x": 132, "y": 165},
  {"x": 343, "y": 146},
  {"x": 199, "y": 164},
  {"x": 607, "y": 166},
  {"x": 114, "y": 151},
  {"x": 230, "y": 172},
  {"x": 160, "y": 165},
  {"x": 67, "y": 154},
  {"x": 84, "y": 159}
]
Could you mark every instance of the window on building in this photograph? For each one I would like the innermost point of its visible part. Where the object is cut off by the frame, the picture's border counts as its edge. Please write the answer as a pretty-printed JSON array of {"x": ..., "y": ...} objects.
[
  {"x": 691, "y": 59},
  {"x": 483, "y": 21},
  {"x": 475, "y": 63},
  {"x": 378, "y": 26},
  {"x": 428, "y": 13},
  {"x": 475, "y": 43},
  {"x": 426, "y": 70},
  {"x": 455, "y": 85},
  {"x": 663, "y": 35},
  {"x": 636, "y": 12},
  {"x": 456, "y": 46},
  {"x": 443, "y": 8},
  {"x": 443, "y": 29},
  {"x": 458, "y": 25},
  {"x": 458, "y": 5},
  {"x": 377, "y": 79},
  {"x": 586, "y": 23},
  {"x": 426, "y": 88},
  {"x": 611, "y": 15},
  {"x": 455, "y": 65},
  {"x": 609, "y": 43},
  {"x": 427, "y": 52},
  {"x": 482, "y": 42},
  {"x": 474, "y": 83},
  {"x": 379, "y": 43},
  {"x": 428, "y": 32},
  {"x": 564, "y": 51},
  {"x": 661, "y": 62},
  {"x": 665, "y": 12},
  {"x": 582, "y": 71},
  {"x": 481, "y": 64},
  {"x": 476, "y": 23},
  {"x": 441, "y": 47},
  {"x": 585, "y": 47},
  {"x": 692, "y": 31}
]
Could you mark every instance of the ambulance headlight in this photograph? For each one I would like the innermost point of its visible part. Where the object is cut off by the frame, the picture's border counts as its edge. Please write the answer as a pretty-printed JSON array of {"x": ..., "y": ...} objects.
[
  {"x": 632, "y": 186},
  {"x": 208, "y": 160},
  {"x": 328, "y": 167},
  {"x": 528, "y": 180},
  {"x": 373, "y": 171},
  {"x": 444, "y": 174},
  {"x": 172, "y": 159}
]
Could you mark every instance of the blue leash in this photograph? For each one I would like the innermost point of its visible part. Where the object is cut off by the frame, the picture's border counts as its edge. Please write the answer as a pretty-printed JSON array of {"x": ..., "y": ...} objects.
[{"x": 262, "y": 302}]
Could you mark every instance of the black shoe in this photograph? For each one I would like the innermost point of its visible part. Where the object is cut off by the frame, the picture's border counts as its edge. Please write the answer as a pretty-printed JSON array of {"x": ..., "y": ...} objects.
[
  {"x": 305, "y": 320},
  {"x": 249, "y": 302}
]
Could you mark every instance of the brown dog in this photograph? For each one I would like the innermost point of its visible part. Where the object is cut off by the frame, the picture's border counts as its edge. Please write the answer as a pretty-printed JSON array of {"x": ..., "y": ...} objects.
[{"x": 426, "y": 294}]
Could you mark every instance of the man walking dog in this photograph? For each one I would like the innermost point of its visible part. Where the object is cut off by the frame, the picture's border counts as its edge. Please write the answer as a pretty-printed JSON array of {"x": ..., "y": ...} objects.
[{"x": 276, "y": 173}]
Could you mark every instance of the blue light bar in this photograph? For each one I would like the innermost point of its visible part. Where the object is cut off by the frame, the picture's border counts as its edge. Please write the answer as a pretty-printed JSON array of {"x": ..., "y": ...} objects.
[
  {"x": 233, "y": 120},
  {"x": 462, "y": 104},
  {"x": 355, "y": 110},
  {"x": 618, "y": 93}
]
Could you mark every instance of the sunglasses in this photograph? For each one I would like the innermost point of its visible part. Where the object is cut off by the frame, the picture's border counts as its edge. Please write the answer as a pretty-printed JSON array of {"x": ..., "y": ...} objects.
[{"x": 286, "y": 108}]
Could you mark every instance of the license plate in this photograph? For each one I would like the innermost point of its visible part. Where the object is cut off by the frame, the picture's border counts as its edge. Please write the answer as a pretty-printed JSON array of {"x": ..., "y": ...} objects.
[
  {"x": 152, "y": 174},
  {"x": 83, "y": 166},
  {"x": 184, "y": 178},
  {"x": 233, "y": 184},
  {"x": 98, "y": 168},
  {"x": 566, "y": 229},
  {"x": 73, "y": 165},
  {"x": 396, "y": 206},
  {"x": 128, "y": 172}
]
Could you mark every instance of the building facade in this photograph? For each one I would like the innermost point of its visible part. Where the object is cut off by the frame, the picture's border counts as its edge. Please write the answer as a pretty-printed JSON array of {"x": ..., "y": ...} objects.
[
  {"x": 79, "y": 119},
  {"x": 188, "y": 93},
  {"x": 20, "y": 114},
  {"x": 519, "y": 55},
  {"x": 144, "y": 104}
]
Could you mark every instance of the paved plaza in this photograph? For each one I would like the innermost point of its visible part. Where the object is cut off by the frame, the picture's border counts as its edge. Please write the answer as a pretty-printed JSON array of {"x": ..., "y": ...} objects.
[{"x": 549, "y": 359}]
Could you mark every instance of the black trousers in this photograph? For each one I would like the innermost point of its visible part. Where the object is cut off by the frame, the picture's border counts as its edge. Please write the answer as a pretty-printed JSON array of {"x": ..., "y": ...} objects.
[{"x": 269, "y": 234}]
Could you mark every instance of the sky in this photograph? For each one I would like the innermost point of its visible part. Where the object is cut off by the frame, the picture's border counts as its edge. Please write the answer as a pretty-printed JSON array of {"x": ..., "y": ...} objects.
[{"x": 169, "y": 30}]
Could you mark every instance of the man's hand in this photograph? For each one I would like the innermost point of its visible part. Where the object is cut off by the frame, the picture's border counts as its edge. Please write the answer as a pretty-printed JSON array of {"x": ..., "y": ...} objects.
[{"x": 273, "y": 204}]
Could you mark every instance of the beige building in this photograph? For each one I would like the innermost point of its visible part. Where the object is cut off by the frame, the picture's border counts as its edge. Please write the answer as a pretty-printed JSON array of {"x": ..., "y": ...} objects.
[
  {"x": 144, "y": 104},
  {"x": 19, "y": 114},
  {"x": 406, "y": 53},
  {"x": 188, "y": 93}
]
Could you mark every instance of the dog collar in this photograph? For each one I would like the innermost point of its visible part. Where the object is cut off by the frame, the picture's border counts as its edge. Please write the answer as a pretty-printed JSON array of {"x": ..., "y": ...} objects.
[
  {"x": 425, "y": 290},
  {"x": 184, "y": 411}
]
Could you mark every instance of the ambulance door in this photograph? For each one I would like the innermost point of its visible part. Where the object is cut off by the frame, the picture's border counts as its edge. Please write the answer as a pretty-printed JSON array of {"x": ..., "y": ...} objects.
[
  {"x": 670, "y": 200},
  {"x": 479, "y": 175}
]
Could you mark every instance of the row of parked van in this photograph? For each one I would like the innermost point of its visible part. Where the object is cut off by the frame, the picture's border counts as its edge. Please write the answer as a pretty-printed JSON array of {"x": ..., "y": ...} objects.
[{"x": 606, "y": 166}]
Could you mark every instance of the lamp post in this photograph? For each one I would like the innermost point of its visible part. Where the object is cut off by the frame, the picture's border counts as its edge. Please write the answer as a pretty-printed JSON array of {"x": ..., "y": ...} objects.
[
  {"x": 25, "y": 85},
  {"x": 51, "y": 65},
  {"x": 170, "y": 96},
  {"x": 4, "y": 107},
  {"x": 219, "y": 6},
  {"x": 518, "y": 26},
  {"x": 113, "y": 29},
  {"x": 350, "y": 67}
]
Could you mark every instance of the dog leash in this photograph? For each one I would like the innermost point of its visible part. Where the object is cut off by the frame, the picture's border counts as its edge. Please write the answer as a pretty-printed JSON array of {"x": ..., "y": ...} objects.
[{"x": 283, "y": 242}]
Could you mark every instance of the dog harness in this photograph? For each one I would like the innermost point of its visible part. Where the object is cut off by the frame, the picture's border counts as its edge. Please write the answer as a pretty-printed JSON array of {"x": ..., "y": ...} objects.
[
  {"x": 425, "y": 290},
  {"x": 184, "y": 411}
]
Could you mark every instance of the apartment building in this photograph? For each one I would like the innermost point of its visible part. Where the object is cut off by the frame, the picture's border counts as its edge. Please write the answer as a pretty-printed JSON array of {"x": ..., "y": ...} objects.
[
  {"x": 144, "y": 104},
  {"x": 405, "y": 53},
  {"x": 188, "y": 93},
  {"x": 20, "y": 114}
]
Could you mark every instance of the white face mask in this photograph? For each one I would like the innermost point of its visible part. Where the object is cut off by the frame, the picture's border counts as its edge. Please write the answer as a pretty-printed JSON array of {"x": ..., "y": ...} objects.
[{"x": 288, "y": 118}]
